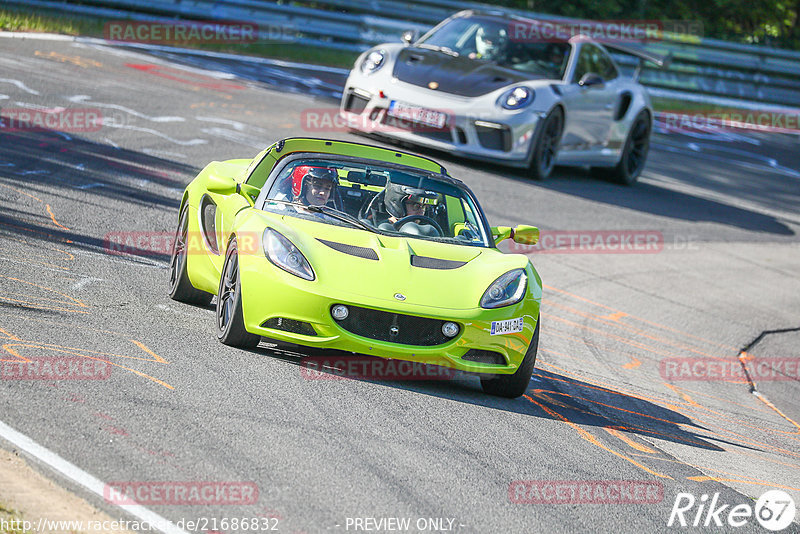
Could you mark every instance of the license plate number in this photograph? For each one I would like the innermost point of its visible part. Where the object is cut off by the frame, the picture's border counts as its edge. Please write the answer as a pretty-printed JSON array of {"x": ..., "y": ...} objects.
[
  {"x": 428, "y": 117},
  {"x": 509, "y": 326}
]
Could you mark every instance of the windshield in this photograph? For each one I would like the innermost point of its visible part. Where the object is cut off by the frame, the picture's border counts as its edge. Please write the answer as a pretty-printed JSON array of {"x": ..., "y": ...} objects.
[
  {"x": 377, "y": 198},
  {"x": 487, "y": 39}
]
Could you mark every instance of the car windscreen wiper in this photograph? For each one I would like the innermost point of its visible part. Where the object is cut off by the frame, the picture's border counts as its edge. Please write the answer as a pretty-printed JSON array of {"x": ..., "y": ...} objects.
[
  {"x": 342, "y": 216},
  {"x": 443, "y": 49}
]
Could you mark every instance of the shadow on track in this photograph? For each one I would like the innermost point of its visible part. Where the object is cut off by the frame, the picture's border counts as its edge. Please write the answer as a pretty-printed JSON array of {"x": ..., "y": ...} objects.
[
  {"x": 93, "y": 176},
  {"x": 549, "y": 396},
  {"x": 42, "y": 160}
]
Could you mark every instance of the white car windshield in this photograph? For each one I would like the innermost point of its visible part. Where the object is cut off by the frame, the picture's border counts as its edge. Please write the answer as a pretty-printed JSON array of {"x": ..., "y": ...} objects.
[
  {"x": 495, "y": 40},
  {"x": 376, "y": 198}
]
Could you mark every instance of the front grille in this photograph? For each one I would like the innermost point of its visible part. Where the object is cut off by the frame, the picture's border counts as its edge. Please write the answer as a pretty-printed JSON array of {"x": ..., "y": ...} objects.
[
  {"x": 355, "y": 103},
  {"x": 494, "y": 138},
  {"x": 353, "y": 250},
  {"x": 290, "y": 325},
  {"x": 435, "y": 263},
  {"x": 380, "y": 325},
  {"x": 484, "y": 356}
]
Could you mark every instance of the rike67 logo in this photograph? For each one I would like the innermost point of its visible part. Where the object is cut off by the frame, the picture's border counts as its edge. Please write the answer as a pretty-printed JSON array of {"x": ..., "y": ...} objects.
[{"x": 774, "y": 510}]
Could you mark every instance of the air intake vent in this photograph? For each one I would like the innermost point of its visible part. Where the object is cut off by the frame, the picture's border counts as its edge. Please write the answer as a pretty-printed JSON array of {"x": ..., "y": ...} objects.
[
  {"x": 484, "y": 356},
  {"x": 355, "y": 103},
  {"x": 290, "y": 325},
  {"x": 209, "y": 221},
  {"x": 435, "y": 263},
  {"x": 352, "y": 250},
  {"x": 394, "y": 327}
]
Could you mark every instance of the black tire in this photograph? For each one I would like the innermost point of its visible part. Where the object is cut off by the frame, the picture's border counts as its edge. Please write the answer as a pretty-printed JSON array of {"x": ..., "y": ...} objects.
[
  {"x": 230, "y": 321},
  {"x": 543, "y": 157},
  {"x": 180, "y": 288},
  {"x": 634, "y": 153},
  {"x": 512, "y": 386}
]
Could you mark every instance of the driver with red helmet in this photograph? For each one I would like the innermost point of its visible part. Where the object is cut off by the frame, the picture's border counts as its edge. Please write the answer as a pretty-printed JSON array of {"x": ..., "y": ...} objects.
[{"x": 313, "y": 186}]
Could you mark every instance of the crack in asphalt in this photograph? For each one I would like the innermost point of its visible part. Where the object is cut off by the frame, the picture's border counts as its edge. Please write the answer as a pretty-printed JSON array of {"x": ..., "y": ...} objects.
[{"x": 744, "y": 355}]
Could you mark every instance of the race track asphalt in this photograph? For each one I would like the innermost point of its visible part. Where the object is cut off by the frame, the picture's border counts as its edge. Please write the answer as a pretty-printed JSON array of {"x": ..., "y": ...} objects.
[{"x": 179, "y": 406}]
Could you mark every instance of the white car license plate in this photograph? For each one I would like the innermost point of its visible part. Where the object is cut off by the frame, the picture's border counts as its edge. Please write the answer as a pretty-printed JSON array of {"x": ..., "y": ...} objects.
[
  {"x": 509, "y": 326},
  {"x": 428, "y": 117}
]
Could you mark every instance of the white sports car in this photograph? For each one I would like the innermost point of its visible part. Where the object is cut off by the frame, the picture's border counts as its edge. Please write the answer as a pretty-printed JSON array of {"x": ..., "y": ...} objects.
[{"x": 475, "y": 86}]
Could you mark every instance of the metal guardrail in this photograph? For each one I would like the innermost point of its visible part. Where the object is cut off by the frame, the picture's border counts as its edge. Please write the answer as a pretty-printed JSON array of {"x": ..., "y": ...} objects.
[{"x": 706, "y": 67}]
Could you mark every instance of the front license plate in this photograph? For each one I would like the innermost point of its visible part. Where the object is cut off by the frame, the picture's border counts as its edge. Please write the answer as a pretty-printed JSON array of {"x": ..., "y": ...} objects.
[
  {"x": 509, "y": 326},
  {"x": 428, "y": 117}
]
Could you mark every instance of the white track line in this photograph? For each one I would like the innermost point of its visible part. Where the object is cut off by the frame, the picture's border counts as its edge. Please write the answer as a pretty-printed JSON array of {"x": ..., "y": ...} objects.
[{"x": 83, "y": 478}]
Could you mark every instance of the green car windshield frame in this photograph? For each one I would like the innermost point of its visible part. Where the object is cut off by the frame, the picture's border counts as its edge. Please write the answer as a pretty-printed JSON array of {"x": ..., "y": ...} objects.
[{"x": 360, "y": 194}]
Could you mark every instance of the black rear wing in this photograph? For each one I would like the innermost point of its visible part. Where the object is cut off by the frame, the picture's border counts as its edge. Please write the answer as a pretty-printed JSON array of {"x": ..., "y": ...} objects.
[{"x": 658, "y": 60}]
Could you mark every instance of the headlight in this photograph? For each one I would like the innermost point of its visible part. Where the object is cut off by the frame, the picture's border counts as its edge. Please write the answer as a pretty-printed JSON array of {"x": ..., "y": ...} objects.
[
  {"x": 282, "y": 253},
  {"x": 517, "y": 98},
  {"x": 506, "y": 290},
  {"x": 373, "y": 61}
]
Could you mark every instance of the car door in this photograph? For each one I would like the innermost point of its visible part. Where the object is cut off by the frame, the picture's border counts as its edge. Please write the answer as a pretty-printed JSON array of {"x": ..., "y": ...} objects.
[{"x": 589, "y": 106}]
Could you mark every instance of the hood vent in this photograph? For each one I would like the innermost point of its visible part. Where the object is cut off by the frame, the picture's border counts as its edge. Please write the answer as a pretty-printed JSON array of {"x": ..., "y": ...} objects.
[
  {"x": 435, "y": 263},
  {"x": 352, "y": 250}
]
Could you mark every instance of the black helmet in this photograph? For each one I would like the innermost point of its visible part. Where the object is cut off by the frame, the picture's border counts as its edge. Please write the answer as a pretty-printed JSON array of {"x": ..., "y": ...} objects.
[{"x": 397, "y": 194}]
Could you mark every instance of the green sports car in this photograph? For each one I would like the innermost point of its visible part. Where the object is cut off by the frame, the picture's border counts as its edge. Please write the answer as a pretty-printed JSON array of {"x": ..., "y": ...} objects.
[{"x": 337, "y": 245}]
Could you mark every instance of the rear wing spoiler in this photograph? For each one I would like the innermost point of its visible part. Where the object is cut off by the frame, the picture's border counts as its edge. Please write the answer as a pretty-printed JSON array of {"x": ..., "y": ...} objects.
[{"x": 658, "y": 60}]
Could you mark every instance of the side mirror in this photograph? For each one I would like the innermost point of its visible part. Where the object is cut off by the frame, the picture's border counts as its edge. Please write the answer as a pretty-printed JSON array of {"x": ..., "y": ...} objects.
[
  {"x": 409, "y": 36},
  {"x": 228, "y": 186},
  {"x": 522, "y": 234},
  {"x": 221, "y": 185},
  {"x": 525, "y": 235},
  {"x": 590, "y": 78},
  {"x": 501, "y": 233}
]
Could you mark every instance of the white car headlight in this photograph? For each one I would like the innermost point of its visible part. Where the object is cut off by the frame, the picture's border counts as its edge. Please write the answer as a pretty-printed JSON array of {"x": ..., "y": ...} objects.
[
  {"x": 373, "y": 61},
  {"x": 506, "y": 290},
  {"x": 517, "y": 98},
  {"x": 282, "y": 253}
]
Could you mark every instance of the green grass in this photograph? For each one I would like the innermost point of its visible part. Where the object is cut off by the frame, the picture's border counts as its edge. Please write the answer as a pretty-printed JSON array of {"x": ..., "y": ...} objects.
[
  {"x": 9, "y": 515},
  {"x": 20, "y": 20},
  {"x": 35, "y": 21},
  {"x": 674, "y": 104},
  {"x": 288, "y": 52},
  {"x": 686, "y": 106}
]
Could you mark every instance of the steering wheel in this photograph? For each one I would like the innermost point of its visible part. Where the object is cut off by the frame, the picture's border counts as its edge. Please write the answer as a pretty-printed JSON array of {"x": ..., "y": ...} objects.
[
  {"x": 400, "y": 222},
  {"x": 367, "y": 209}
]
